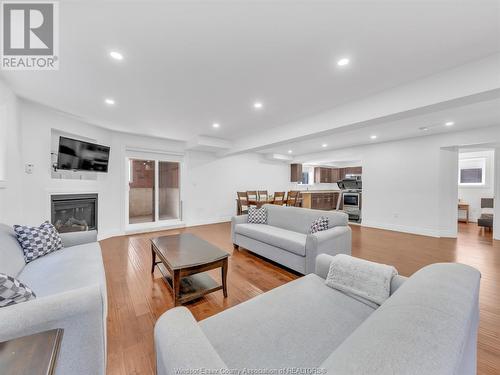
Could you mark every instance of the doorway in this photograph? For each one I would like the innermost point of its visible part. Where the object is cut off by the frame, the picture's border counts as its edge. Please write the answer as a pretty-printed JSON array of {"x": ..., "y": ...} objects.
[
  {"x": 153, "y": 191},
  {"x": 476, "y": 191}
]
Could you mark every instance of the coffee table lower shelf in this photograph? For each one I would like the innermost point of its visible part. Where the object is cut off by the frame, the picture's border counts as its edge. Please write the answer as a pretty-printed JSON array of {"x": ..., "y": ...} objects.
[{"x": 192, "y": 287}]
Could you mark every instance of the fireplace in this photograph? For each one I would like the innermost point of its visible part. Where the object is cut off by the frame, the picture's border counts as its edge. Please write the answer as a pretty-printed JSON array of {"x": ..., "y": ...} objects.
[{"x": 74, "y": 212}]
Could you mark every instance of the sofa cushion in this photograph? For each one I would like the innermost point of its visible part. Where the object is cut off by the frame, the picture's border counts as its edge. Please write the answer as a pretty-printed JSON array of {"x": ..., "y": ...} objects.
[
  {"x": 319, "y": 224},
  {"x": 296, "y": 325},
  {"x": 65, "y": 270},
  {"x": 13, "y": 291},
  {"x": 38, "y": 241},
  {"x": 11, "y": 254},
  {"x": 299, "y": 219},
  {"x": 282, "y": 238},
  {"x": 257, "y": 215}
]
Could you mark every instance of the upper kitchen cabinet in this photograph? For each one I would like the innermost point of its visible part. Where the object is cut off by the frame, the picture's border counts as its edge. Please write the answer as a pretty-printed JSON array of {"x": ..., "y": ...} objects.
[
  {"x": 322, "y": 175},
  {"x": 353, "y": 170},
  {"x": 295, "y": 172}
]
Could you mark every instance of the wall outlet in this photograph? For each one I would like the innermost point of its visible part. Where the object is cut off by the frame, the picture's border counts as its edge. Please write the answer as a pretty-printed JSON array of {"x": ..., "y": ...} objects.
[{"x": 28, "y": 168}]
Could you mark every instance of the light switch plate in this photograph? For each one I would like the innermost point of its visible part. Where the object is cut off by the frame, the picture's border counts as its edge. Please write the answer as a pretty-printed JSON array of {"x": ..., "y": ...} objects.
[{"x": 28, "y": 168}]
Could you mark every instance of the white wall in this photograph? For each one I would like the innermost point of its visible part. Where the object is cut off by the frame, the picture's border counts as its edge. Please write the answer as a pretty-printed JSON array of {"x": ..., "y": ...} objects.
[
  {"x": 473, "y": 194},
  {"x": 211, "y": 183},
  {"x": 405, "y": 183},
  {"x": 10, "y": 157},
  {"x": 208, "y": 185}
]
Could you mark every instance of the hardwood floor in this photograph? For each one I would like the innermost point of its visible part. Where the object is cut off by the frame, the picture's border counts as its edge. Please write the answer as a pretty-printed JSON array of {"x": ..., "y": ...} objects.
[{"x": 136, "y": 298}]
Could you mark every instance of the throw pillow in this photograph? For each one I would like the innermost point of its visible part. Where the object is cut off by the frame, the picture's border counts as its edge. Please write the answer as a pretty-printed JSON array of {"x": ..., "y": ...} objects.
[
  {"x": 257, "y": 215},
  {"x": 321, "y": 223},
  {"x": 13, "y": 291},
  {"x": 38, "y": 241}
]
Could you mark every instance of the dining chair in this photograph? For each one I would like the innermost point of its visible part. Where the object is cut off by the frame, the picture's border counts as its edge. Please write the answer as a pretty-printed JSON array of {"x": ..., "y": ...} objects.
[
  {"x": 252, "y": 195},
  {"x": 279, "y": 198},
  {"x": 263, "y": 195},
  {"x": 242, "y": 202},
  {"x": 291, "y": 199}
]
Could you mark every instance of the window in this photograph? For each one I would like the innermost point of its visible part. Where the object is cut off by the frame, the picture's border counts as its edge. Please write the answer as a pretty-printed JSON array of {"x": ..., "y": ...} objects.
[{"x": 472, "y": 172}]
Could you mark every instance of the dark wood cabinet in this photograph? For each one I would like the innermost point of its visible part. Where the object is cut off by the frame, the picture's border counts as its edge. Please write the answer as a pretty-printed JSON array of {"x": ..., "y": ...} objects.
[
  {"x": 331, "y": 175},
  {"x": 353, "y": 170},
  {"x": 324, "y": 201},
  {"x": 322, "y": 175},
  {"x": 295, "y": 172}
]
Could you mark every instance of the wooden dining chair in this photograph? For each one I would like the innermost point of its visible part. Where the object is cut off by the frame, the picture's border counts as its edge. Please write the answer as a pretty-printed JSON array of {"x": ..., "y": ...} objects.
[
  {"x": 291, "y": 199},
  {"x": 263, "y": 195},
  {"x": 279, "y": 198},
  {"x": 252, "y": 195},
  {"x": 242, "y": 202}
]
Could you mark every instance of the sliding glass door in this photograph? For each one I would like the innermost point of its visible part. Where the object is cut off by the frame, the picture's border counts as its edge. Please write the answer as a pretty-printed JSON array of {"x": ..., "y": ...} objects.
[{"x": 153, "y": 190}]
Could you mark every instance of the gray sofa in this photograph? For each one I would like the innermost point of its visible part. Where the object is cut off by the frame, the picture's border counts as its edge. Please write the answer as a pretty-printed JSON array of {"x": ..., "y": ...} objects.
[
  {"x": 285, "y": 239},
  {"x": 427, "y": 326},
  {"x": 71, "y": 294}
]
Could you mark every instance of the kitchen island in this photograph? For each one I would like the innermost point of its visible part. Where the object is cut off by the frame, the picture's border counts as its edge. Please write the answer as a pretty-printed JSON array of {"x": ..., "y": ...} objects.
[{"x": 320, "y": 199}]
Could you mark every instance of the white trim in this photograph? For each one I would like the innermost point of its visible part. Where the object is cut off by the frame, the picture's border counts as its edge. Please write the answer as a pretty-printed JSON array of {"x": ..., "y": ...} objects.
[
  {"x": 195, "y": 223},
  {"x": 405, "y": 229},
  {"x": 3, "y": 184}
]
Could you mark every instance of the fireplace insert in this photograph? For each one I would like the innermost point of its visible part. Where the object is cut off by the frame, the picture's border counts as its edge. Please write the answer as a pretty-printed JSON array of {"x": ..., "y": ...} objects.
[{"x": 74, "y": 212}]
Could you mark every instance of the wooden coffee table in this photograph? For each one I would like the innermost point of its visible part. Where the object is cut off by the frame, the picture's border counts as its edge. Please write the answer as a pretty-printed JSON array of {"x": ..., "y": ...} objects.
[{"x": 183, "y": 262}]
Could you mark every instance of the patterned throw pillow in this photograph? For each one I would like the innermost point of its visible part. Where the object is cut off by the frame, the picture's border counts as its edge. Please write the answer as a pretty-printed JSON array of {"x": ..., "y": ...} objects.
[
  {"x": 321, "y": 223},
  {"x": 257, "y": 215},
  {"x": 13, "y": 291},
  {"x": 38, "y": 241}
]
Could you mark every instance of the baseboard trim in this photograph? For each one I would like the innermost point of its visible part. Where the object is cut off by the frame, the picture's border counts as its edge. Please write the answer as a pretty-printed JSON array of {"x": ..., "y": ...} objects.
[
  {"x": 115, "y": 233},
  {"x": 404, "y": 229}
]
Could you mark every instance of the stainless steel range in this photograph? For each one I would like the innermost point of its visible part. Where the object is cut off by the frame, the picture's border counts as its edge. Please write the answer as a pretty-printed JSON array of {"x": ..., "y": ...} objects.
[{"x": 350, "y": 197}]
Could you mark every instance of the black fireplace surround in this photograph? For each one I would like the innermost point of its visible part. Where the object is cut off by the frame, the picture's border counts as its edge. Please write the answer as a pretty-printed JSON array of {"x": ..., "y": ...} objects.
[{"x": 74, "y": 212}]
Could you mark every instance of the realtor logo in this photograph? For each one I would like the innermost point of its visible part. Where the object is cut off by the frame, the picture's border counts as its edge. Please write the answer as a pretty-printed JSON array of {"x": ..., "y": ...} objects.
[{"x": 30, "y": 35}]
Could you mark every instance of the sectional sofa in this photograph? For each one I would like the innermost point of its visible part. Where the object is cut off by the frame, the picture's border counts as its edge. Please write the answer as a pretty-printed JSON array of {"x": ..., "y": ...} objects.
[
  {"x": 70, "y": 286},
  {"x": 427, "y": 326},
  {"x": 285, "y": 238}
]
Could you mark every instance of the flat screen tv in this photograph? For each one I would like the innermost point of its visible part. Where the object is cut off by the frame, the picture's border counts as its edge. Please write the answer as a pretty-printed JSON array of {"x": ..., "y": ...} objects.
[{"x": 78, "y": 155}]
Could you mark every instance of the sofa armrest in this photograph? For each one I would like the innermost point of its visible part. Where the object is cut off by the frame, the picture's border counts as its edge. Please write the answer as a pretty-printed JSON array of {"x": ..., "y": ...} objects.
[
  {"x": 79, "y": 312},
  {"x": 235, "y": 220},
  {"x": 336, "y": 240},
  {"x": 323, "y": 265},
  {"x": 78, "y": 238},
  {"x": 181, "y": 345}
]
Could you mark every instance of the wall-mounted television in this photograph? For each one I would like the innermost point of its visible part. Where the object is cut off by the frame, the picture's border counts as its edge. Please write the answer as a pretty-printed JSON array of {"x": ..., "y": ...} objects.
[{"x": 78, "y": 155}]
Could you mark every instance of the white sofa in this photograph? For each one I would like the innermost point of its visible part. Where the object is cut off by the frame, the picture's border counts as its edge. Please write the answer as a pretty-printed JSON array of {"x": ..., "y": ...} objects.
[
  {"x": 70, "y": 286},
  {"x": 428, "y": 326},
  {"x": 285, "y": 239}
]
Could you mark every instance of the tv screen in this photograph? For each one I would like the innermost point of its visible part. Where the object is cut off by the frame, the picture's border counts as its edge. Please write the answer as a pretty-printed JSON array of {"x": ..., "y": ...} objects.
[{"x": 82, "y": 156}]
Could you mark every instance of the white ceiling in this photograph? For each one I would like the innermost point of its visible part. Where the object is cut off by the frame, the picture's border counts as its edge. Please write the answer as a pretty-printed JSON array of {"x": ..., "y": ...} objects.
[
  {"x": 188, "y": 64},
  {"x": 477, "y": 115}
]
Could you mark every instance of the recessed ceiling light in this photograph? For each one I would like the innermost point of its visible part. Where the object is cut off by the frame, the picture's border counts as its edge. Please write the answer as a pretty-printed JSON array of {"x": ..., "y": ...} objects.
[
  {"x": 343, "y": 61},
  {"x": 116, "y": 55},
  {"x": 373, "y": 136},
  {"x": 216, "y": 125},
  {"x": 109, "y": 101},
  {"x": 290, "y": 151},
  {"x": 449, "y": 123},
  {"x": 423, "y": 128},
  {"x": 324, "y": 145},
  {"x": 258, "y": 105}
]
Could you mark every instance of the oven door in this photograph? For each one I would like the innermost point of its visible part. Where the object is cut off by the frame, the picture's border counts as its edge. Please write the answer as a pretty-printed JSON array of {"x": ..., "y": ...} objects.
[{"x": 351, "y": 200}]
